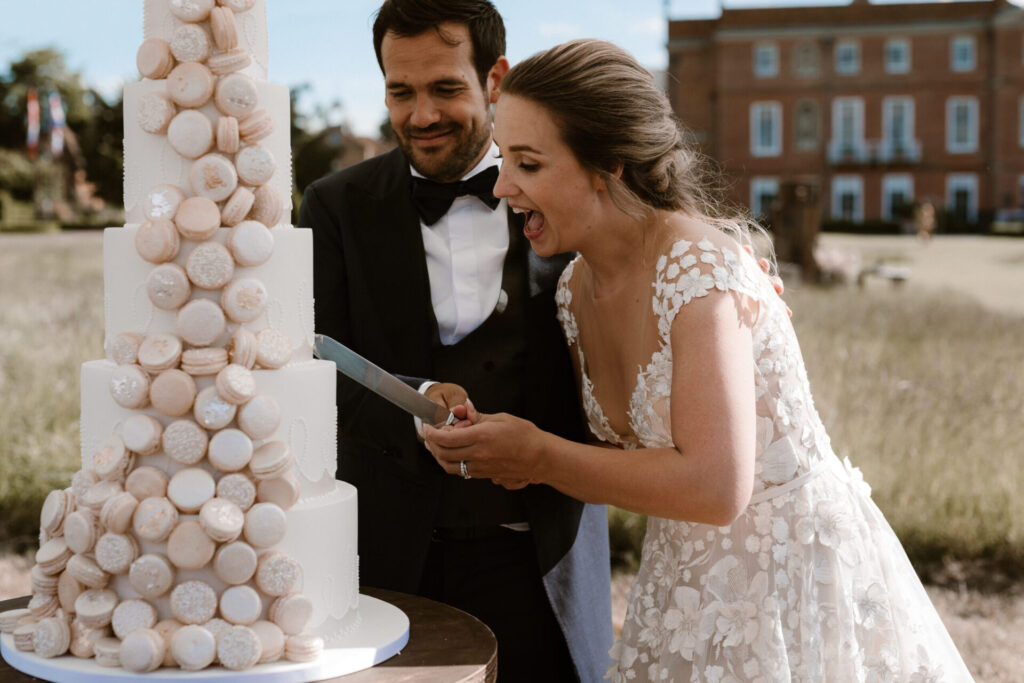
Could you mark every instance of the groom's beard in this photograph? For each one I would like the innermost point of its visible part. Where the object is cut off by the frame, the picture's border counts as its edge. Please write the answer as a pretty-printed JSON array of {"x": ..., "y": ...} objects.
[{"x": 451, "y": 159}]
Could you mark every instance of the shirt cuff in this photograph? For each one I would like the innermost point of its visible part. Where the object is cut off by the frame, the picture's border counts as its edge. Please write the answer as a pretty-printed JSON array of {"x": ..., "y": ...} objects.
[{"x": 417, "y": 422}]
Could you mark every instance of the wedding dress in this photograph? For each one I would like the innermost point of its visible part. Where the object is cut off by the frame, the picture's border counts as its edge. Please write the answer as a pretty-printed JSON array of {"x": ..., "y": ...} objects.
[{"x": 809, "y": 583}]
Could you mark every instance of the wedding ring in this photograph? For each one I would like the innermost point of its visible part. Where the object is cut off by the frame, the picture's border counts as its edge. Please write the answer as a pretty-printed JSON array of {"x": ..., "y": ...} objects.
[{"x": 463, "y": 470}]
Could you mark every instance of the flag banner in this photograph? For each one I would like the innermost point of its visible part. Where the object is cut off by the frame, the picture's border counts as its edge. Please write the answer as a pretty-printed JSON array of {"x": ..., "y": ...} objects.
[
  {"x": 56, "y": 124},
  {"x": 32, "y": 141}
]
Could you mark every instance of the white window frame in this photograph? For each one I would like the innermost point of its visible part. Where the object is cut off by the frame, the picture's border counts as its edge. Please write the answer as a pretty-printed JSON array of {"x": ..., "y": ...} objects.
[
  {"x": 857, "y": 142},
  {"x": 774, "y": 147},
  {"x": 958, "y": 65},
  {"x": 770, "y": 68},
  {"x": 964, "y": 181},
  {"x": 758, "y": 187},
  {"x": 897, "y": 67},
  {"x": 840, "y": 66},
  {"x": 954, "y": 146},
  {"x": 842, "y": 184},
  {"x": 895, "y": 182},
  {"x": 888, "y": 107}
]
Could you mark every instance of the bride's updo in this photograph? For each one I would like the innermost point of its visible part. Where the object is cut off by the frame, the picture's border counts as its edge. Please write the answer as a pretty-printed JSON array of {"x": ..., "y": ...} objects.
[{"x": 611, "y": 116}]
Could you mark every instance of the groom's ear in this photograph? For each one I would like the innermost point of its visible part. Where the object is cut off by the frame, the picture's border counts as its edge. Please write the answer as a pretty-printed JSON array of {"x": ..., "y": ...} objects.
[{"x": 494, "y": 77}]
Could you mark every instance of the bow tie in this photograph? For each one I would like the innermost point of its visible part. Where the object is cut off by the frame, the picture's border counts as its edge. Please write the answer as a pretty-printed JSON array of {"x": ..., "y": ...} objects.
[{"x": 432, "y": 199}]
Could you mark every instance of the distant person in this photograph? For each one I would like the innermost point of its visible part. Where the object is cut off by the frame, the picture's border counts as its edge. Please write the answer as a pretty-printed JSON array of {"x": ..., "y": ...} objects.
[
  {"x": 924, "y": 220},
  {"x": 765, "y": 558}
]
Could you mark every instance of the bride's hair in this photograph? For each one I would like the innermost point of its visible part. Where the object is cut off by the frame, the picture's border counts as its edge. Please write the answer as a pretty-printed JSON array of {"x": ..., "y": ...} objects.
[{"x": 611, "y": 116}]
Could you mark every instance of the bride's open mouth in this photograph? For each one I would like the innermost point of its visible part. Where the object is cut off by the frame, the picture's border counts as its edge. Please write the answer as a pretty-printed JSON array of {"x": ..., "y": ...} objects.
[{"x": 534, "y": 222}]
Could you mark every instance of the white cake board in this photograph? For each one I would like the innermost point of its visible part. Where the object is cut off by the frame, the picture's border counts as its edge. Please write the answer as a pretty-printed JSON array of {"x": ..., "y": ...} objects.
[{"x": 383, "y": 633}]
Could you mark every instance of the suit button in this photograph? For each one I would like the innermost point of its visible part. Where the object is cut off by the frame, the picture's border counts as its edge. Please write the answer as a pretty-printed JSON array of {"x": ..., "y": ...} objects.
[{"x": 489, "y": 365}]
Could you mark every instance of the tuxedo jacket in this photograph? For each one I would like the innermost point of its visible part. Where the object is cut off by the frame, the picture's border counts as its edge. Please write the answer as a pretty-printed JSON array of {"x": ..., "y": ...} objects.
[{"x": 372, "y": 293}]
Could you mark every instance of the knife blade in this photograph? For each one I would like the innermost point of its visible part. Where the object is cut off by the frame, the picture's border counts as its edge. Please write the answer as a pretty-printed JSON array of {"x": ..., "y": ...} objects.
[{"x": 380, "y": 382}]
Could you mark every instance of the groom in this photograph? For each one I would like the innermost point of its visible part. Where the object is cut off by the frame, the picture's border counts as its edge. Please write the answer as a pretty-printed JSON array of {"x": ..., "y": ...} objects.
[{"x": 419, "y": 268}]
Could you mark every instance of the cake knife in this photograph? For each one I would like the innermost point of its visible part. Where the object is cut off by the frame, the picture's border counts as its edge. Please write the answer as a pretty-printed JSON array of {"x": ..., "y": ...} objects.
[{"x": 385, "y": 385}]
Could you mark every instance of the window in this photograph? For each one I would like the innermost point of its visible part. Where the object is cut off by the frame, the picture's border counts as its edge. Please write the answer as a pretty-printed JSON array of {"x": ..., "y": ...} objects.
[
  {"x": 847, "y": 129},
  {"x": 1020, "y": 191},
  {"x": 1020, "y": 124},
  {"x": 806, "y": 124},
  {"x": 897, "y": 56},
  {"x": 962, "y": 196},
  {"x": 765, "y": 129},
  {"x": 898, "y": 128},
  {"x": 766, "y": 60},
  {"x": 897, "y": 193},
  {"x": 805, "y": 59},
  {"x": 848, "y": 198},
  {"x": 763, "y": 192},
  {"x": 847, "y": 57},
  {"x": 961, "y": 125},
  {"x": 962, "y": 54}
]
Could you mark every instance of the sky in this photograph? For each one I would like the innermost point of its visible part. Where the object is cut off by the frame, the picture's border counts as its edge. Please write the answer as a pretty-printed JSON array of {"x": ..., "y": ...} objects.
[{"x": 327, "y": 44}]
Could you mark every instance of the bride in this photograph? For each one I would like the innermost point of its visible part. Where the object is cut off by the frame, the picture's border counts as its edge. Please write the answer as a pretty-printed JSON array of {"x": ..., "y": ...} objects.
[{"x": 765, "y": 558}]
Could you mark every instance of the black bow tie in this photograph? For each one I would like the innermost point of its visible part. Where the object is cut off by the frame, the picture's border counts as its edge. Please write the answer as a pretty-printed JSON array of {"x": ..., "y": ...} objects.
[{"x": 432, "y": 200}]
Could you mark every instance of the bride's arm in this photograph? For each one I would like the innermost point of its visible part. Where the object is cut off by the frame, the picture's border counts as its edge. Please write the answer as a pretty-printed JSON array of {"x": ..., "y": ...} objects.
[{"x": 706, "y": 477}]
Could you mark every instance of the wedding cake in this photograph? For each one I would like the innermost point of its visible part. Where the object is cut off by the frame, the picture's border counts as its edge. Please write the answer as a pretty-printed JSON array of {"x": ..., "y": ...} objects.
[{"x": 206, "y": 526}]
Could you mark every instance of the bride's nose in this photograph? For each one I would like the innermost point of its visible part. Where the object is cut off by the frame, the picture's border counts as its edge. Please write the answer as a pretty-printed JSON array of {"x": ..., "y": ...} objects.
[{"x": 503, "y": 187}]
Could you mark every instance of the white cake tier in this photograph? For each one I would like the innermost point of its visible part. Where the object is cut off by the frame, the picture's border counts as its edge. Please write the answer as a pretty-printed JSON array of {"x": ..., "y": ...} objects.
[
  {"x": 287, "y": 275},
  {"x": 305, "y": 393},
  {"x": 149, "y": 159},
  {"x": 321, "y": 536},
  {"x": 159, "y": 22}
]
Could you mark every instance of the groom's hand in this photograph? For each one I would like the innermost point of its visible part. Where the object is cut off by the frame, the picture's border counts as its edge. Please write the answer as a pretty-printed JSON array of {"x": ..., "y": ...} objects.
[{"x": 447, "y": 395}]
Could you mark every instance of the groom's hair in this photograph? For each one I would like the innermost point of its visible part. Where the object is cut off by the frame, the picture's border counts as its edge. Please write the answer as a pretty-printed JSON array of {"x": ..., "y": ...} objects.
[{"x": 407, "y": 18}]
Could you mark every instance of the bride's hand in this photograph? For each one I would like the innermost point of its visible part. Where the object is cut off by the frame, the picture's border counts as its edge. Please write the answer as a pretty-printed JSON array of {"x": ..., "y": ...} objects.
[{"x": 501, "y": 447}]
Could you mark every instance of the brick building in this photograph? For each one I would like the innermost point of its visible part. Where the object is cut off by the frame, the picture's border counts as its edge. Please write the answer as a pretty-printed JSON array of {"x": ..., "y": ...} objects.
[{"x": 876, "y": 105}]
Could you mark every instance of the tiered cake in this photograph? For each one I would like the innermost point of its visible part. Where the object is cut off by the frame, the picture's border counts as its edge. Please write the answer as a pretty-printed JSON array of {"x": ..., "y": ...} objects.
[{"x": 207, "y": 498}]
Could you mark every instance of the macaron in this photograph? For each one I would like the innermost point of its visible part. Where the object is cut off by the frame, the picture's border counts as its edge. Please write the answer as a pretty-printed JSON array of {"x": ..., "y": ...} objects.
[
  {"x": 112, "y": 460},
  {"x": 239, "y": 648},
  {"x": 268, "y": 206},
  {"x": 159, "y": 352},
  {"x": 151, "y": 575},
  {"x": 167, "y": 286},
  {"x": 200, "y": 323},
  {"x": 204, "y": 361},
  {"x": 96, "y": 495},
  {"x": 238, "y": 488},
  {"x": 53, "y": 556},
  {"x": 243, "y": 348},
  {"x": 213, "y": 176},
  {"x": 283, "y": 491},
  {"x": 142, "y": 651},
  {"x": 87, "y": 572},
  {"x": 255, "y": 164},
  {"x": 224, "y": 28},
  {"x": 256, "y": 126},
  {"x": 167, "y": 628},
  {"x": 162, "y": 202},
  {"x": 237, "y": 5},
  {"x": 107, "y": 652},
  {"x": 131, "y": 615},
  {"x": 154, "y": 112},
  {"x": 273, "y": 348},
  {"x": 251, "y": 243},
  {"x": 154, "y": 58},
  {"x": 83, "y": 639},
  {"x": 173, "y": 392},
  {"x": 56, "y": 507},
  {"x": 193, "y": 602},
  {"x": 221, "y": 519},
  {"x": 68, "y": 590},
  {"x": 210, "y": 265},
  {"x": 244, "y": 299},
  {"x": 185, "y": 442},
  {"x": 43, "y": 605},
  {"x": 265, "y": 525},
  {"x": 154, "y": 519},
  {"x": 260, "y": 417},
  {"x": 240, "y": 605},
  {"x": 197, "y": 219},
  {"x": 124, "y": 350},
  {"x": 235, "y": 563},
  {"x": 51, "y": 638},
  {"x": 80, "y": 530},
  {"x": 147, "y": 481},
  {"x": 228, "y": 139},
  {"x": 271, "y": 639},
  {"x": 190, "y": 43},
  {"x": 237, "y": 207},
  {"x": 43, "y": 584},
  {"x": 229, "y": 61},
  {"x": 188, "y": 547},
  {"x": 116, "y": 514},
  {"x": 157, "y": 240},
  {"x": 291, "y": 612},
  {"x": 272, "y": 459},
  {"x": 217, "y": 627},
  {"x": 236, "y": 95},
  {"x": 213, "y": 412},
  {"x": 116, "y": 552},
  {"x": 129, "y": 386},
  {"x": 95, "y": 607},
  {"x": 235, "y": 384},
  {"x": 230, "y": 450},
  {"x": 303, "y": 648},
  {"x": 191, "y": 11},
  {"x": 23, "y": 636},
  {"x": 193, "y": 647},
  {"x": 141, "y": 434},
  {"x": 190, "y": 133},
  {"x": 190, "y": 488}
]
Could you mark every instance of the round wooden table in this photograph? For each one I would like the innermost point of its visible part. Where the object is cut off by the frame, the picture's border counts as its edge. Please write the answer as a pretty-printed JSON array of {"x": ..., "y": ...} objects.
[{"x": 446, "y": 645}]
